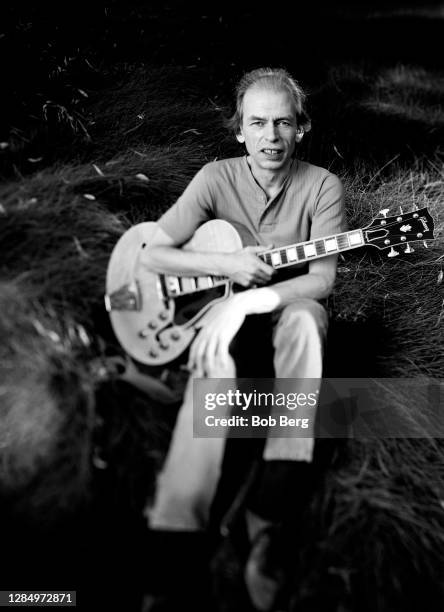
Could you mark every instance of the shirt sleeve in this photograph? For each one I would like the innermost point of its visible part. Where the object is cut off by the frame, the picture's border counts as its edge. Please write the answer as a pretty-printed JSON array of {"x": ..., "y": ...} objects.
[
  {"x": 329, "y": 209},
  {"x": 194, "y": 207}
]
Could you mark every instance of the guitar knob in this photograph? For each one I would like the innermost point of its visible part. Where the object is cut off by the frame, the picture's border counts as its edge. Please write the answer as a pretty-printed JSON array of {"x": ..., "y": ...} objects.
[
  {"x": 153, "y": 353},
  {"x": 164, "y": 345},
  {"x": 392, "y": 253},
  {"x": 408, "y": 249},
  {"x": 163, "y": 316},
  {"x": 152, "y": 324},
  {"x": 175, "y": 335},
  {"x": 144, "y": 333}
]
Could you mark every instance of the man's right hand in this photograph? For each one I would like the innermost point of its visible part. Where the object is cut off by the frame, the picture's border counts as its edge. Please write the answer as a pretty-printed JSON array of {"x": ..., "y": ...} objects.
[{"x": 246, "y": 269}]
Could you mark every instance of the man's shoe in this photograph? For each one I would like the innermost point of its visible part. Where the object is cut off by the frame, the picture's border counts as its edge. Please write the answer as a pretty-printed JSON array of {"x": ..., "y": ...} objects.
[{"x": 264, "y": 578}]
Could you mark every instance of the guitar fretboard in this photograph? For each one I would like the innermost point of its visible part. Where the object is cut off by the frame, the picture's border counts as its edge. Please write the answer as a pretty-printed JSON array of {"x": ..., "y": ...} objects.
[
  {"x": 277, "y": 258},
  {"x": 313, "y": 249},
  {"x": 183, "y": 285}
]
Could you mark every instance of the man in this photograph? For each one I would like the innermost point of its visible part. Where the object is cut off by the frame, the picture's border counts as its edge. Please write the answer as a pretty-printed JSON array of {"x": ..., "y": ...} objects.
[{"x": 272, "y": 199}]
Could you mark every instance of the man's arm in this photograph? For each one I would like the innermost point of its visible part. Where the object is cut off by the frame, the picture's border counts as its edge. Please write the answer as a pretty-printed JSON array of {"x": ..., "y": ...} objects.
[
  {"x": 243, "y": 267},
  {"x": 317, "y": 284},
  {"x": 223, "y": 321}
]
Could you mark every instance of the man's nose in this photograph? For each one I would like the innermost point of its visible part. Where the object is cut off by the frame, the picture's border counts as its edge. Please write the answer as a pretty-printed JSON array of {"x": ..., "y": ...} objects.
[{"x": 271, "y": 132}]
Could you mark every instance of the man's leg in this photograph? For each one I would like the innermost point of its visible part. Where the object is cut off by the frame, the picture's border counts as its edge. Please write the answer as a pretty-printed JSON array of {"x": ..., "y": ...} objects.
[
  {"x": 298, "y": 339},
  {"x": 179, "y": 547},
  {"x": 288, "y": 477},
  {"x": 187, "y": 482}
]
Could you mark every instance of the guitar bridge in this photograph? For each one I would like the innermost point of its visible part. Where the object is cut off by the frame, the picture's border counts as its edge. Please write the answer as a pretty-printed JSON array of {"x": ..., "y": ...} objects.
[{"x": 126, "y": 298}]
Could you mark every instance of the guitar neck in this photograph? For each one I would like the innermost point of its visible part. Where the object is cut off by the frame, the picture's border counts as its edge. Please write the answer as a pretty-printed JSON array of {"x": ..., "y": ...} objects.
[
  {"x": 303, "y": 252},
  {"x": 281, "y": 257}
]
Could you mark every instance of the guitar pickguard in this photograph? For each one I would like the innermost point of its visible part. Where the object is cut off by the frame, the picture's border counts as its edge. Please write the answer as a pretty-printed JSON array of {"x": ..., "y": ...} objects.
[{"x": 188, "y": 307}]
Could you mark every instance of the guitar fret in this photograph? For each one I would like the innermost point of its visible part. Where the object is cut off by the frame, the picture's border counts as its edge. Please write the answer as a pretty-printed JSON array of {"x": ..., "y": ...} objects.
[
  {"x": 291, "y": 254},
  {"x": 283, "y": 253},
  {"x": 331, "y": 244},
  {"x": 320, "y": 247},
  {"x": 276, "y": 258},
  {"x": 300, "y": 251},
  {"x": 342, "y": 240},
  {"x": 309, "y": 250},
  {"x": 355, "y": 238},
  {"x": 204, "y": 282},
  {"x": 188, "y": 284},
  {"x": 267, "y": 258}
]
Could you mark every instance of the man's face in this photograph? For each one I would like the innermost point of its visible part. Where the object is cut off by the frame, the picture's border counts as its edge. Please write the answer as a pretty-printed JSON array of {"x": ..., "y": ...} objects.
[{"x": 269, "y": 129}]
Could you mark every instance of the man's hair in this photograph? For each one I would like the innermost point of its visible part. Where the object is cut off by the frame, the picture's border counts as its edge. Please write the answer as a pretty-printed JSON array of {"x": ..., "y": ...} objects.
[{"x": 277, "y": 79}]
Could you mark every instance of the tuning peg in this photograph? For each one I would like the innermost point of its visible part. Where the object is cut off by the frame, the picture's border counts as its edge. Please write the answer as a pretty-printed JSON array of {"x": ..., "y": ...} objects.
[
  {"x": 392, "y": 253},
  {"x": 384, "y": 212},
  {"x": 400, "y": 210},
  {"x": 415, "y": 207},
  {"x": 408, "y": 249},
  {"x": 425, "y": 244}
]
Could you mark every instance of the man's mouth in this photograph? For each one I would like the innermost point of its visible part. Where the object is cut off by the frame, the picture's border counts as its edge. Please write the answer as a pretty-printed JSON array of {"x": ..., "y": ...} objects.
[{"x": 272, "y": 151}]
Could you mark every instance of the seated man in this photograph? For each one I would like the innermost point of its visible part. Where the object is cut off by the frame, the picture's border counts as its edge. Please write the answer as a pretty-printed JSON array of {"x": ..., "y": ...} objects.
[{"x": 272, "y": 199}]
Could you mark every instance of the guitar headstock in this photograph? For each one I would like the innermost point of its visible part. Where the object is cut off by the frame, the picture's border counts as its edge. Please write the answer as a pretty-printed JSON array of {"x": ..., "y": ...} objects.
[{"x": 387, "y": 232}]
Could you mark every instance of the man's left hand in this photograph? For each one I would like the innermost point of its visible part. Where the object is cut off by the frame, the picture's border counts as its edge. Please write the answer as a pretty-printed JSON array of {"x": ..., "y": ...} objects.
[{"x": 210, "y": 349}]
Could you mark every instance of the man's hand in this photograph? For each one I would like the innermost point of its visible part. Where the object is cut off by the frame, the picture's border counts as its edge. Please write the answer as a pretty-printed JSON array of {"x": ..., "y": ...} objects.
[
  {"x": 218, "y": 327},
  {"x": 246, "y": 269}
]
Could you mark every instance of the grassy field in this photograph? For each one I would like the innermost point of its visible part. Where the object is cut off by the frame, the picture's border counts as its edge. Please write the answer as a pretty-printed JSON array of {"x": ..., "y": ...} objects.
[{"x": 105, "y": 138}]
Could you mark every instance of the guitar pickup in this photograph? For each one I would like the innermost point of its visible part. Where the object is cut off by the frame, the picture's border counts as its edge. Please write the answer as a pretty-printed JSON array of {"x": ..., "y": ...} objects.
[{"x": 126, "y": 298}]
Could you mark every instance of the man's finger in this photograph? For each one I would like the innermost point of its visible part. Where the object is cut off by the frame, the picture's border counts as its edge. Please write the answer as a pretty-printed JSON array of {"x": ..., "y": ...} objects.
[
  {"x": 196, "y": 351},
  {"x": 266, "y": 268},
  {"x": 209, "y": 355},
  {"x": 265, "y": 275},
  {"x": 223, "y": 356}
]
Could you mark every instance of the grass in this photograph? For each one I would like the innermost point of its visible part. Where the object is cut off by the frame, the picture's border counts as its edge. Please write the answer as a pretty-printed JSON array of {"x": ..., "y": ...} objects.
[
  {"x": 74, "y": 439},
  {"x": 383, "y": 531},
  {"x": 47, "y": 408}
]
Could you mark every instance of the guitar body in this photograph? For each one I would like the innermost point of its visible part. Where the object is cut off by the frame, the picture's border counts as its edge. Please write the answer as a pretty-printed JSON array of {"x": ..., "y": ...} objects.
[{"x": 152, "y": 326}]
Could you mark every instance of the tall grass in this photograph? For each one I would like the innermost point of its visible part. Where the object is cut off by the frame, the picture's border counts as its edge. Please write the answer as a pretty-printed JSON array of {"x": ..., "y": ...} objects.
[{"x": 47, "y": 408}]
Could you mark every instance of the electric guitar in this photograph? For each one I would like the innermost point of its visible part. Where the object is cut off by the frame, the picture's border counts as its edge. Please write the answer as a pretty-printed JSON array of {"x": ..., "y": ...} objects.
[{"x": 155, "y": 316}]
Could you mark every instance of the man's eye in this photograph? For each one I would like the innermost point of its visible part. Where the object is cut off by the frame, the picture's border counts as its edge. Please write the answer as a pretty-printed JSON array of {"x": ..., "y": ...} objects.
[
  {"x": 285, "y": 123},
  {"x": 259, "y": 123}
]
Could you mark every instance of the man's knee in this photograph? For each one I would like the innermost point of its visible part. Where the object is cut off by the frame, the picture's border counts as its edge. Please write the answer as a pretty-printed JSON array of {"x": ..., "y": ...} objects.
[
  {"x": 303, "y": 317},
  {"x": 182, "y": 506}
]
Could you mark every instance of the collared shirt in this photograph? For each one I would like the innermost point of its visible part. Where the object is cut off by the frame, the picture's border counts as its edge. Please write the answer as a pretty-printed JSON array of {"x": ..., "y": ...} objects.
[{"x": 310, "y": 204}]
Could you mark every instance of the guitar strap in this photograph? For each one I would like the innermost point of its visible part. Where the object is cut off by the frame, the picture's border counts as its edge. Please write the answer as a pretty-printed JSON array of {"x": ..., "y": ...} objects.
[{"x": 167, "y": 388}]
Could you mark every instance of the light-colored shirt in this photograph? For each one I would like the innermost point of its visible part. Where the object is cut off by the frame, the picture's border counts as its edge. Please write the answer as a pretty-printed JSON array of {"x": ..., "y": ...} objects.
[{"x": 310, "y": 204}]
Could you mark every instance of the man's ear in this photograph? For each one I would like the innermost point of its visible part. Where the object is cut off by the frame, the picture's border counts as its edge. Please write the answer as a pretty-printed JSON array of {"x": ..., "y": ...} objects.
[
  {"x": 240, "y": 137},
  {"x": 299, "y": 135}
]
